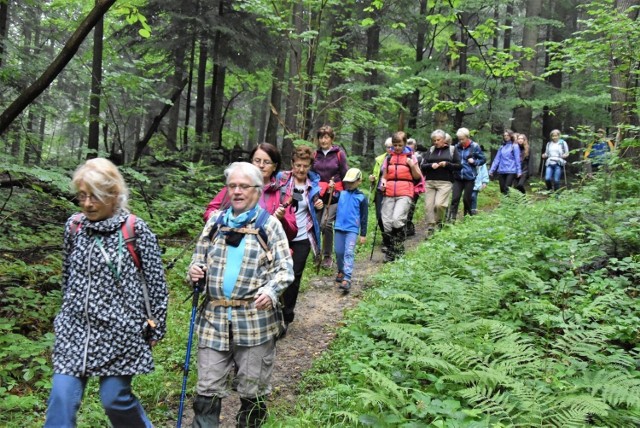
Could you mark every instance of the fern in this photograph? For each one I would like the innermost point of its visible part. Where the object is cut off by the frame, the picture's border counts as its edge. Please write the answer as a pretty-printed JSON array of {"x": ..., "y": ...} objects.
[{"x": 383, "y": 383}]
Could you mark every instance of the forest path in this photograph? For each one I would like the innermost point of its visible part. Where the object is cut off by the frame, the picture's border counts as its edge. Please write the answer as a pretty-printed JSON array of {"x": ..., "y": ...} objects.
[{"x": 319, "y": 312}]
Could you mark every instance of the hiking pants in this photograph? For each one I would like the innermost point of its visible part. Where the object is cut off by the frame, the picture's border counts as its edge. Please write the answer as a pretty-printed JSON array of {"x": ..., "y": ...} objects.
[
  {"x": 301, "y": 251},
  {"x": 505, "y": 180},
  {"x": 395, "y": 211},
  {"x": 254, "y": 366},
  {"x": 462, "y": 188},
  {"x": 327, "y": 230},
  {"x": 436, "y": 200}
]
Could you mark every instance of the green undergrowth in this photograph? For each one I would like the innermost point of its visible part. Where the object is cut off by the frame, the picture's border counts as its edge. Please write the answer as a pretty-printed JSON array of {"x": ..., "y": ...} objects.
[{"x": 525, "y": 316}]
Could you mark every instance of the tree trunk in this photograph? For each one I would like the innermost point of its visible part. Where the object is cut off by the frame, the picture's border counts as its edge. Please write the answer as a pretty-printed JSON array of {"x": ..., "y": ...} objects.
[
  {"x": 414, "y": 98},
  {"x": 217, "y": 88},
  {"x": 174, "y": 117},
  {"x": 4, "y": 26},
  {"x": 373, "y": 51},
  {"x": 275, "y": 103},
  {"x": 523, "y": 113},
  {"x": 458, "y": 117},
  {"x": 68, "y": 51},
  {"x": 200, "y": 101},
  {"x": 187, "y": 103},
  {"x": 293, "y": 99},
  {"x": 96, "y": 88},
  {"x": 623, "y": 83},
  {"x": 140, "y": 145}
]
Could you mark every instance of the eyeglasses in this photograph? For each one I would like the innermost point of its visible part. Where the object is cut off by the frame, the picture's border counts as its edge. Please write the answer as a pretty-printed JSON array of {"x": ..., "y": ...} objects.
[
  {"x": 265, "y": 162},
  {"x": 83, "y": 197},
  {"x": 241, "y": 187}
]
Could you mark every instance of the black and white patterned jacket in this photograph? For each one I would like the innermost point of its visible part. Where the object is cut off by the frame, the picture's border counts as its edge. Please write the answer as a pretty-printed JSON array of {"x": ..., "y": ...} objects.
[{"x": 100, "y": 329}]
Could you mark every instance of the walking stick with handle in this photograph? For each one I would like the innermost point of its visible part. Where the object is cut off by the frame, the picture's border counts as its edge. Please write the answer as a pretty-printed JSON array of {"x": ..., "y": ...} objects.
[
  {"x": 325, "y": 220},
  {"x": 198, "y": 287}
]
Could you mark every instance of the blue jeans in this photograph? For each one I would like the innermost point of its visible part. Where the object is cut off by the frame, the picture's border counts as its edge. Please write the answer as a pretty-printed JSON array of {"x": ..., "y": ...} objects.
[
  {"x": 120, "y": 405},
  {"x": 474, "y": 200},
  {"x": 552, "y": 176},
  {"x": 345, "y": 246}
]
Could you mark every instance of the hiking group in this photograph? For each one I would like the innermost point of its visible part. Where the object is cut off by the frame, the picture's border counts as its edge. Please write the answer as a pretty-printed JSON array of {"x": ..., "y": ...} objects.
[{"x": 250, "y": 257}]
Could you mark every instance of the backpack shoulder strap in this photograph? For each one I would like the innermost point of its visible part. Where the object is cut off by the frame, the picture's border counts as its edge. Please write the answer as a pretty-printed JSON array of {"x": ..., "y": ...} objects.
[
  {"x": 129, "y": 236},
  {"x": 262, "y": 234},
  {"x": 75, "y": 225}
]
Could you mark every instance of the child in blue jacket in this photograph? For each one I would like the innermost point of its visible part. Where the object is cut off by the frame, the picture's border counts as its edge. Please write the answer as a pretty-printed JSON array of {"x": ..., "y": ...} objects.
[{"x": 351, "y": 219}]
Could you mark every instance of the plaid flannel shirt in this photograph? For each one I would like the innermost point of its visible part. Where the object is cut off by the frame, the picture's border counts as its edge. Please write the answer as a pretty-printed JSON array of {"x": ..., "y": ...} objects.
[{"x": 257, "y": 275}]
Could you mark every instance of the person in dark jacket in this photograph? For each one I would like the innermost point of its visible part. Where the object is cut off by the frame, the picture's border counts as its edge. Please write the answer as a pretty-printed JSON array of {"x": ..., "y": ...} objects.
[
  {"x": 438, "y": 166},
  {"x": 330, "y": 163},
  {"x": 471, "y": 157},
  {"x": 523, "y": 145},
  {"x": 103, "y": 327},
  {"x": 507, "y": 162}
]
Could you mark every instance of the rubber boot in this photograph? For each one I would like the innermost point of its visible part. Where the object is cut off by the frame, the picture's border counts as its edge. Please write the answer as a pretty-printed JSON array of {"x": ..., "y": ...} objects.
[
  {"x": 252, "y": 413},
  {"x": 548, "y": 184},
  {"x": 387, "y": 247},
  {"x": 206, "y": 412},
  {"x": 453, "y": 215},
  {"x": 399, "y": 238}
]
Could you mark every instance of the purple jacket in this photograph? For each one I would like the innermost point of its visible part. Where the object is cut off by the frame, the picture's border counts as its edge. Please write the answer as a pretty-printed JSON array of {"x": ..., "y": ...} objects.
[
  {"x": 507, "y": 160},
  {"x": 332, "y": 165}
]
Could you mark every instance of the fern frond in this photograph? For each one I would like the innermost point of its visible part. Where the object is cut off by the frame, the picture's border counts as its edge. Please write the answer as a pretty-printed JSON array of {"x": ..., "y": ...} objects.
[
  {"x": 585, "y": 404},
  {"x": 424, "y": 362},
  {"x": 491, "y": 401},
  {"x": 377, "y": 400},
  {"x": 406, "y": 335},
  {"x": 384, "y": 384},
  {"x": 615, "y": 388},
  {"x": 459, "y": 355}
]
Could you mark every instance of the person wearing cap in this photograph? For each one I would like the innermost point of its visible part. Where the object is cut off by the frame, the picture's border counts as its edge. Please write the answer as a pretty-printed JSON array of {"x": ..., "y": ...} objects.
[{"x": 351, "y": 219}]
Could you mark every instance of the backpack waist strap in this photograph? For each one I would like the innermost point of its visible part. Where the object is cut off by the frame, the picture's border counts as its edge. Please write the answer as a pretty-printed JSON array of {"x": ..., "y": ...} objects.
[{"x": 227, "y": 303}]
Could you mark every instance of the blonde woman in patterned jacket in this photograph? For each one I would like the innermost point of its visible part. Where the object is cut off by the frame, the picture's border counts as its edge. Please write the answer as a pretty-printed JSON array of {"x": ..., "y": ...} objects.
[
  {"x": 241, "y": 317},
  {"x": 102, "y": 328}
]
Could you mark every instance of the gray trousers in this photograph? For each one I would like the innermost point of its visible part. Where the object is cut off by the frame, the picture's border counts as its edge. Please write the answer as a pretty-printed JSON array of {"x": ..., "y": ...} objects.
[
  {"x": 254, "y": 366},
  {"x": 395, "y": 211}
]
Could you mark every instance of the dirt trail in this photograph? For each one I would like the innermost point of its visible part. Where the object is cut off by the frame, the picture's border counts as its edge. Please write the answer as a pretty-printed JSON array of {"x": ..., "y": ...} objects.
[{"x": 319, "y": 312}]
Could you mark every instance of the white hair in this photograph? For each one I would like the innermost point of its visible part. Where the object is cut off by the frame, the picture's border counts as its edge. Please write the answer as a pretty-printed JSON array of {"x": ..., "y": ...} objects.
[
  {"x": 247, "y": 169},
  {"x": 463, "y": 132},
  {"x": 388, "y": 143},
  {"x": 438, "y": 133}
]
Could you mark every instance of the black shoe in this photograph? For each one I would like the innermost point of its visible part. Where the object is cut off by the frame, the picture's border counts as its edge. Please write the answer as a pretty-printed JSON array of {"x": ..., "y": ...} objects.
[{"x": 345, "y": 286}]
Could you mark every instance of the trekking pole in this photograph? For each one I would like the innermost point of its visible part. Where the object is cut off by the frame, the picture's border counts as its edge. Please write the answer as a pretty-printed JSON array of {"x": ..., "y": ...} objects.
[
  {"x": 184, "y": 250},
  {"x": 198, "y": 287},
  {"x": 564, "y": 171},
  {"x": 373, "y": 244},
  {"x": 325, "y": 220}
]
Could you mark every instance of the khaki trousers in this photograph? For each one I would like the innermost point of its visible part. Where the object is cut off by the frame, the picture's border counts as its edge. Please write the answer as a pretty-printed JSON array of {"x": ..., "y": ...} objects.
[{"x": 436, "y": 200}]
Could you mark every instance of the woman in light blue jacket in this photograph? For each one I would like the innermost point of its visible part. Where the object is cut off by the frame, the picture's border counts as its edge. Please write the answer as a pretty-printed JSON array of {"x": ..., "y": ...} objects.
[
  {"x": 482, "y": 179},
  {"x": 555, "y": 153},
  {"x": 507, "y": 162}
]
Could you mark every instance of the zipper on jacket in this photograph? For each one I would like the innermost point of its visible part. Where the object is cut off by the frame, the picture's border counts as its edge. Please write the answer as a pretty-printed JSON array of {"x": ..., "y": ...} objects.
[{"x": 86, "y": 310}]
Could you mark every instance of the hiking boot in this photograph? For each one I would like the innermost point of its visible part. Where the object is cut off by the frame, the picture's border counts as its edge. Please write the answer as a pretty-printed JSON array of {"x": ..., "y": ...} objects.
[
  {"x": 206, "y": 412},
  {"x": 327, "y": 262},
  {"x": 410, "y": 229},
  {"x": 430, "y": 232},
  {"x": 384, "y": 249},
  {"x": 339, "y": 277},
  {"x": 345, "y": 286}
]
